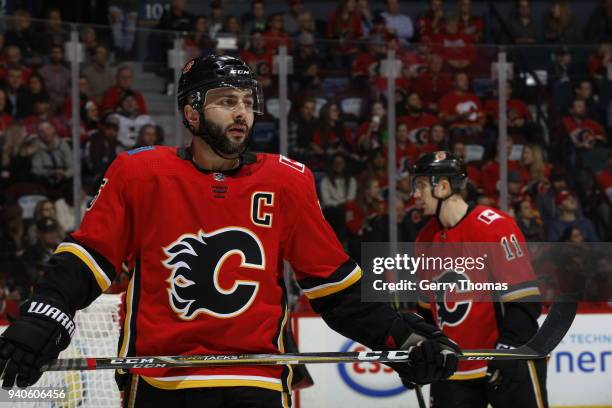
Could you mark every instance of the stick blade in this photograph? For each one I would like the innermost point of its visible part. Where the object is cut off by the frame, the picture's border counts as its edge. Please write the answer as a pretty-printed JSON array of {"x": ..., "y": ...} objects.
[{"x": 555, "y": 327}]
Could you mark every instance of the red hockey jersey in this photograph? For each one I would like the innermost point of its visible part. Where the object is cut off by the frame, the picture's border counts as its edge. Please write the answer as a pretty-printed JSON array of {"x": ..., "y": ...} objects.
[
  {"x": 206, "y": 251},
  {"x": 474, "y": 324}
]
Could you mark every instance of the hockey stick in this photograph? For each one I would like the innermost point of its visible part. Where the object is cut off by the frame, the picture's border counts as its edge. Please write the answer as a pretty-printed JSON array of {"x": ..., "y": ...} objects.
[
  {"x": 550, "y": 334},
  {"x": 419, "y": 394}
]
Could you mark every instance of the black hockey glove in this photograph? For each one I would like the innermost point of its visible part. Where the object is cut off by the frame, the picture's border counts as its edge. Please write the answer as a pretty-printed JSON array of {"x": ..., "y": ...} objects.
[
  {"x": 433, "y": 356},
  {"x": 37, "y": 337},
  {"x": 504, "y": 376}
]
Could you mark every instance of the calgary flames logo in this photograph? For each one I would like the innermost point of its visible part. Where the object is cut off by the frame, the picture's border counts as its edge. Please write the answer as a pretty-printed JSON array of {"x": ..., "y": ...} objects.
[
  {"x": 440, "y": 156},
  {"x": 196, "y": 262},
  {"x": 188, "y": 66}
]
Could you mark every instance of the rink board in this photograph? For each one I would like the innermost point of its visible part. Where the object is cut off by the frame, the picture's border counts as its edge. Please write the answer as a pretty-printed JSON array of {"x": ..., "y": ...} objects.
[{"x": 579, "y": 370}]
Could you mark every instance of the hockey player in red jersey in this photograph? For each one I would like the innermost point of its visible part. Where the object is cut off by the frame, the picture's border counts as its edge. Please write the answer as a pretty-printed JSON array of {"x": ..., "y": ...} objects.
[
  {"x": 509, "y": 319},
  {"x": 205, "y": 230}
]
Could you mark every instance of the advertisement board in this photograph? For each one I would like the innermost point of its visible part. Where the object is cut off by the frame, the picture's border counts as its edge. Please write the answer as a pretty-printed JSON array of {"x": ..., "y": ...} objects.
[{"x": 579, "y": 370}]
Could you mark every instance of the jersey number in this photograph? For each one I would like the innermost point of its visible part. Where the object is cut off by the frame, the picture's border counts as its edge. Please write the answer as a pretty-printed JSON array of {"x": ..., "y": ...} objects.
[
  {"x": 510, "y": 254},
  {"x": 104, "y": 181}
]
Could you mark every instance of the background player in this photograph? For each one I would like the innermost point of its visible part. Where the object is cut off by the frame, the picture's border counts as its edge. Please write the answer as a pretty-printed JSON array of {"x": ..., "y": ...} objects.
[
  {"x": 438, "y": 181},
  {"x": 205, "y": 230}
]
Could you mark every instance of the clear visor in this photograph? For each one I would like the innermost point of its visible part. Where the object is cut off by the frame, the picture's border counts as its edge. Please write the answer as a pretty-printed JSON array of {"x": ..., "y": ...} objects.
[{"x": 233, "y": 97}]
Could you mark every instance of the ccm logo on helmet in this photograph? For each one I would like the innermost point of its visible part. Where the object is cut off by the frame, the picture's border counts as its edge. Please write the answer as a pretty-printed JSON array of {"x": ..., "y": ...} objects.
[{"x": 238, "y": 72}]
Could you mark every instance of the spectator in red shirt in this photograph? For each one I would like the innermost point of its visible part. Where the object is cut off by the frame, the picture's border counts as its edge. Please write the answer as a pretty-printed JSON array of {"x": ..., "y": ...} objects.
[
  {"x": 518, "y": 112},
  {"x": 276, "y": 34},
  {"x": 84, "y": 97},
  {"x": 5, "y": 118},
  {"x": 469, "y": 24},
  {"x": 437, "y": 139},
  {"x": 417, "y": 119},
  {"x": 604, "y": 178},
  {"x": 366, "y": 62},
  {"x": 10, "y": 298},
  {"x": 406, "y": 152},
  {"x": 519, "y": 119},
  {"x": 370, "y": 134},
  {"x": 44, "y": 113},
  {"x": 376, "y": 166},
  {"x": 13, "y": 59},
  {"x": 344, "y": 27},
  {"x": 367, "y": 204},
  {"x": 584, "y": 132},
  {"x": 472, "y": 168},
  {"x": 259, "y": 58},
  {"x": 600, "y": 62},
  {"x": 456, "y": 48},
  {"x": 432, "y": 22},
  {"x": 462, "y": 111},
  {"x": 332, "y": 136},
  {"x": 379, "y": 80},
  {"x": 124, "y": 81},
  {"x": 490, "y": 171},
  {"x": 414, "y": 60},
  {"x": 434, "y": 83}
]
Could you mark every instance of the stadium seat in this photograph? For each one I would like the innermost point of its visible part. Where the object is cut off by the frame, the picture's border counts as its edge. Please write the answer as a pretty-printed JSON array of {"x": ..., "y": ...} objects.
[
  {"x": 517, "y": 152},
  {"x": 28, "y": 203},
  {"x": 273, "y": 107},
  {"x": 351, "y": 107},
  {"x": 473, "y": 152}
]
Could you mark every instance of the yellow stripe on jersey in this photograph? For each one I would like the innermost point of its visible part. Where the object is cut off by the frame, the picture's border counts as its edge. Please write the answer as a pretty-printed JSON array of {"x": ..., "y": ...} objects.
[
  {"x": 536, "y": 384},
  {"x": 81, "y": 253},
  {"x": 281, "y": 344},
  {"x": 330, "y": 288},
  {"x": 469, "y": 376},
  {"x": 129, "y": 296},
  {"x": 234, "y": 382},
  {"x": 520, "y": 294},
  {"x": 423, "y": 304}
]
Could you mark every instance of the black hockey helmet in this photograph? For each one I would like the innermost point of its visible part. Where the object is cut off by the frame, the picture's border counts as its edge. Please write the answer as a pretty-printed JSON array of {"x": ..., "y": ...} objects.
[
  {"x": 202, "y": 74},
  {"x": 441, "y": 164}
]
